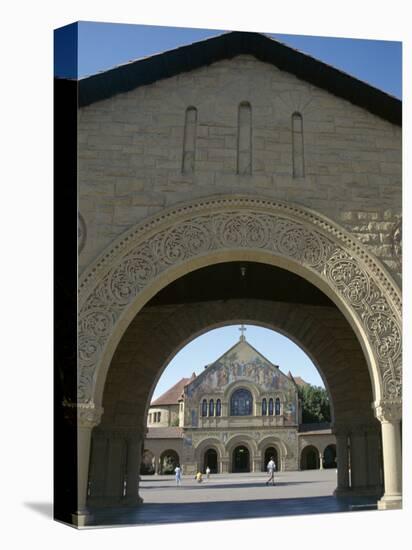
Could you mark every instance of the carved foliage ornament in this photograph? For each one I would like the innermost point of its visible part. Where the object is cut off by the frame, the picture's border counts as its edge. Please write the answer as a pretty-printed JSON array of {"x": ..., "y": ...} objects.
[{"x": 230, "y": 224}]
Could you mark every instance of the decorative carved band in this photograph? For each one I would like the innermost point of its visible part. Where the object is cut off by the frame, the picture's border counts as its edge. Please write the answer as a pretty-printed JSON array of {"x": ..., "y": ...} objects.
[{"x": 297, "y": 234}]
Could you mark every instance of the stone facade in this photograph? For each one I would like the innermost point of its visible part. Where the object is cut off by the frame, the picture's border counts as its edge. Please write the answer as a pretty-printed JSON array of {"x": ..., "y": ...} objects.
[
  {"x": 237, "y": 160},
  {"x": 131, "y": 150},
  {"x": 213, "y": 429}
]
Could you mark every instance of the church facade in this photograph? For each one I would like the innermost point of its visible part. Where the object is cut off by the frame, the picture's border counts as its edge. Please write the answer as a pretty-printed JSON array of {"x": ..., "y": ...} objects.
[{"x": 233, "y": 417}]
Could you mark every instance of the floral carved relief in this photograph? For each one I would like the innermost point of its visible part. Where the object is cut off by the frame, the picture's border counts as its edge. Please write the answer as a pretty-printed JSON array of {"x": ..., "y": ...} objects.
[{"x": 239, "y": 224}]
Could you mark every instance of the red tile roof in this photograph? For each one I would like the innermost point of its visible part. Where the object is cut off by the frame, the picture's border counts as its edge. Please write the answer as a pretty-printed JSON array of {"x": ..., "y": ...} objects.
[
  {"x": 172, "y": 396},
  {"x": 170, "y": 432},
  {"x": 298, "y": 380}
]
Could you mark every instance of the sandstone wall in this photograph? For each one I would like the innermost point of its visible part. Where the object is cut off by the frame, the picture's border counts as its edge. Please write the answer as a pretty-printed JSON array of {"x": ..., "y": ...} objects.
[{"x": 131, "y": 153}]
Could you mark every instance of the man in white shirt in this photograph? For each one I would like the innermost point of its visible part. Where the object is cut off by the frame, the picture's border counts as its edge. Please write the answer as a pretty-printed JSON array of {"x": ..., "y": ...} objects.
[{"x": 271, "y": 471}]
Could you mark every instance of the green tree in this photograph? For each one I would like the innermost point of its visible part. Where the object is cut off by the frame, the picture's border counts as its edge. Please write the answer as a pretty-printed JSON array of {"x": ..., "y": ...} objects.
[{"x": 315, "y": 404}]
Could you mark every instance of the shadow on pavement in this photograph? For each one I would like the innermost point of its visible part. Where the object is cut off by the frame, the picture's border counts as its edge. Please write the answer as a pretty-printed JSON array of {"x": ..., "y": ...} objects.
[{"x": 214, "y": 511}]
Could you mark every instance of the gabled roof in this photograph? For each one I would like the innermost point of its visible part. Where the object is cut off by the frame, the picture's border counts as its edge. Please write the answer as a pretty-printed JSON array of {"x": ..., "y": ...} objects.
[
  {"x": 240, "y": 343},
  {"x": 186, "y": 58},
  {"x": 170, "y": 432},
  {"x": 298, "y": 380},
  {"x": 172, "y": 396}
]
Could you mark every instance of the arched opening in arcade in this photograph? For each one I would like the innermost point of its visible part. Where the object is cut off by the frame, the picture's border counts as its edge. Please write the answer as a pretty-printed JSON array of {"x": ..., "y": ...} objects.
[
  {"x": 254, "y": 290},
  {"x": 169, "y": 459},
  {"x": 309, "y": 458},
  {"x": 329, "y": 457},
  {"x": 148, "y": 464}
]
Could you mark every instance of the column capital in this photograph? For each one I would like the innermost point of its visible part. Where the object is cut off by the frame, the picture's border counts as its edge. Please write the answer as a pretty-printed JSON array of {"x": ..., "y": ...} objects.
[
  {"x": 388, "y": 411},
  {"x": 86, "y": 415}
]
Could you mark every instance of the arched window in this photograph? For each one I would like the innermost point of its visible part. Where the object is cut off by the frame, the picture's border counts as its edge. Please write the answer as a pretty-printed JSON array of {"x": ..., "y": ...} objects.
[
  {"x": 189, "y": 143},
  {"x": 218, "y": 408},
  {"x": 264, "y": 407},
  {"x": 244, "y": 139},
  {"x": 241, "y": 403},
  {"x": 204, "y": 407},
  {"x": 297, "y": 146},
  {"x": 211, "y": 408},
  {"x": 270, "y": 407},
  {"x": 277, "y": 406}
]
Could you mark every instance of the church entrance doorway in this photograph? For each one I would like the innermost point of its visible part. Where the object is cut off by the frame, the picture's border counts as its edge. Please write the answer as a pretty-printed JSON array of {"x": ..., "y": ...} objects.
[
  {"x": 241, "y": 460},
  {"x": 211, "y": 461},
  {"x": 270, "y": 452}
]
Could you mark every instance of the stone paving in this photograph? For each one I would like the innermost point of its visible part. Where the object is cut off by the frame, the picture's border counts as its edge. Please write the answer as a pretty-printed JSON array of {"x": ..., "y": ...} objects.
[{"x": 233, "y": 496}]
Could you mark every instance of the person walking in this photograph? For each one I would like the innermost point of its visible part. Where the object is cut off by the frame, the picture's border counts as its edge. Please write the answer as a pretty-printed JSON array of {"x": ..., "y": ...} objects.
[
  {"x": 207, "y": 472},
  {"x": 271, "y": 471},
  {"x": 178, "y": 474},
  {"x": 199, "y": 477}
]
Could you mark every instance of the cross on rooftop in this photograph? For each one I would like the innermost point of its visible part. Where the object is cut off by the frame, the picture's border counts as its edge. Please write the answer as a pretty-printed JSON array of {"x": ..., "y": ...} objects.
[{"x": 242, "y": 330}]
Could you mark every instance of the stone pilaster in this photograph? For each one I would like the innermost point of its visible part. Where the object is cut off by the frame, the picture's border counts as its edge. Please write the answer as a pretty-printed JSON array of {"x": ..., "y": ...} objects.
[
  {"x": 389, "y": 414},
  {"x": 134, "y": 443},
  {"x": 342, "y": 459},
  {"x": 87, "y": 416},
  {"x": 358, "y": 459}
]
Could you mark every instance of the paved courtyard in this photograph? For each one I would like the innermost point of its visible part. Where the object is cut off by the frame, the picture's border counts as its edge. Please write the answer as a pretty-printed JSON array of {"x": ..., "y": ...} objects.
[{"x": 233, "y": 496}]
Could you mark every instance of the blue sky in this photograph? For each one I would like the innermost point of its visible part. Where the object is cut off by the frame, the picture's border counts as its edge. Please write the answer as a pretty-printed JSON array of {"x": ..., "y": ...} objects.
[
  {"x": 102, "y": 46},
  {"x": 210, "y": 346},
  {"x": 105, "y": 45}
]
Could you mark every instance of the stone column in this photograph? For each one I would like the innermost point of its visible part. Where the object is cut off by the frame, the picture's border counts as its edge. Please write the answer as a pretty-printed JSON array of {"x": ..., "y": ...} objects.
[
  {"x": 358, "y": 460},
  {"x": 256, "y": 464},
  {"x": 134, "y": 442},
  {"x": 88, "y": 416},
  {"x": 342, "y": 458},
  {"x": 390, "y": 414},
  {"x": 374, "y": 460},
  {"x": 320, "y": 461},
  {"x": 224, "y": 466}
]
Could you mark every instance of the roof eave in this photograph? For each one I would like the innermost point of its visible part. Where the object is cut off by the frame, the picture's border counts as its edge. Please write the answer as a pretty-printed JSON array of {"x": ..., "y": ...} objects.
[{"x": 187, "y": 58}]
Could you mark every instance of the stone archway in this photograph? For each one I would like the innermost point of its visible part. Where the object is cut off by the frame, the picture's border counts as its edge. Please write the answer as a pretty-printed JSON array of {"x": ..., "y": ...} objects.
[
  {"x": 146, "y": 258},
  {"x": 148, "y": 463},
  {"x": 168, "y": 461},
  {"x": 309, "y": 458},
  {"x": 329, "y": 456}
]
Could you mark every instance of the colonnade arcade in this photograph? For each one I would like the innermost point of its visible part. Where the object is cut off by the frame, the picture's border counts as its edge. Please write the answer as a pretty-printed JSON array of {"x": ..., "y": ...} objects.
[{"x": 152, "y": 292}]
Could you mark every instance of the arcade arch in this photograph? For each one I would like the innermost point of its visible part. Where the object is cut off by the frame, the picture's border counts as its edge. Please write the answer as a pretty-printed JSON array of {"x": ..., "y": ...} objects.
[
  {"x": 309, "y": 458},
  {"x": 116, "y": 290}
]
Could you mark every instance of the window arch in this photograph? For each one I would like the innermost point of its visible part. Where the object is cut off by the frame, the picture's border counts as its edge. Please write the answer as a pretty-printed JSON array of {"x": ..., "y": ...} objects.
[
  {"x": 270, "y": 407},
  {"x": 218, "y": 407},
  {"x": 277, "y": 406},
  {"x": 211, "y": 408},
  {"x": 264, "y": 407},
  {"x": 189, "y": 141},
  {"x": 204, "y": 407},
  {"x": 241, "y": 403},
  {"x": 297, "y": 146},
  {"x": 244, "y": 139}
]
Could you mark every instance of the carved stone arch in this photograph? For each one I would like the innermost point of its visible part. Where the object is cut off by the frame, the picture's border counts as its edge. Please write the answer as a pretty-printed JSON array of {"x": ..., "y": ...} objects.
[
  {"x": 237, "y": 385},
  {"x": 154, "y": 253},
  {"x": 209, "y": 443},
  {"x": 241, "y": 439},
  {"x": 271, "y": 441}
]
